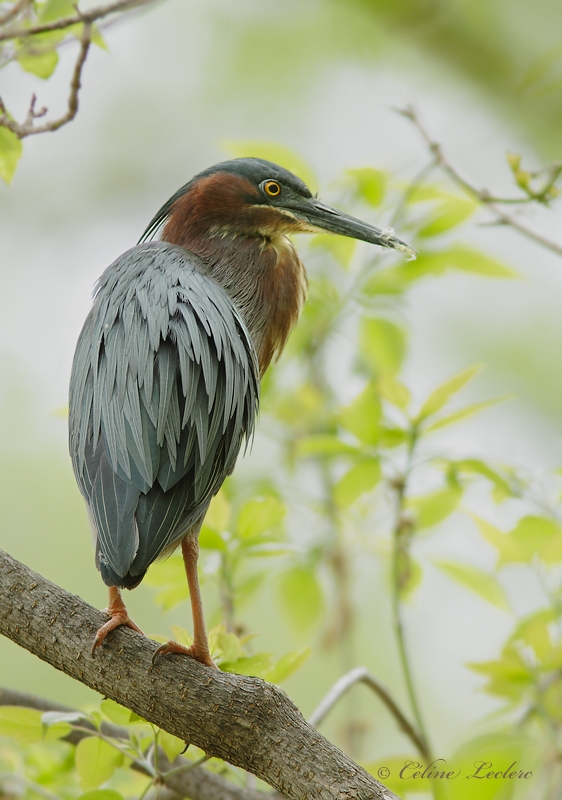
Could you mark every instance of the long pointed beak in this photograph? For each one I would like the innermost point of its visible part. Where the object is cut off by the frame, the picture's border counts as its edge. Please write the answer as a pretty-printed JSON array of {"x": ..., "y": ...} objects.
[{"x": 325, "y": 218}]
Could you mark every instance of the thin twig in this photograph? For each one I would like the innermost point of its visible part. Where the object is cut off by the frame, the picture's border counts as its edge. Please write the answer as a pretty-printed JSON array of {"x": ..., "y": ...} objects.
[
  {"x": 482, "y": 195},
  {"x": 362, "y": 675},
  {"x": 28, "y": 128},
  {"x": 99, "y": 12},
  {"x": 17, "y": 9}
]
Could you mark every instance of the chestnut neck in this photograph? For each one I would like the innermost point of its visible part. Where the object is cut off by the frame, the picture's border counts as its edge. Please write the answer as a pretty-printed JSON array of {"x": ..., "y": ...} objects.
[{"x": 262, "y": 274}]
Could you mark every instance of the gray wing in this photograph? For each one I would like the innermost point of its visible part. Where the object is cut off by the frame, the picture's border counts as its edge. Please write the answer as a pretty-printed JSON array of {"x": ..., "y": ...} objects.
[{"x": 164, "y": 390}]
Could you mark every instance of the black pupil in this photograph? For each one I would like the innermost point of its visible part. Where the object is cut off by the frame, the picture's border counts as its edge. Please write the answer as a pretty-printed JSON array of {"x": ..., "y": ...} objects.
[{"x": 273, "y": 188}]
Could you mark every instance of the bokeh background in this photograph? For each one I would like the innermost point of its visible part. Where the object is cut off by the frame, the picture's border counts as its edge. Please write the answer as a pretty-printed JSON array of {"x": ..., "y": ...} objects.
[{"x": 178, "y": 84}]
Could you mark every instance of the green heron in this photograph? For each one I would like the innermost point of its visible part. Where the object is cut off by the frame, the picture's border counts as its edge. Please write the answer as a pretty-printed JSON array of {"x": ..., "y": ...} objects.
[{"x": 165, "y": 381}]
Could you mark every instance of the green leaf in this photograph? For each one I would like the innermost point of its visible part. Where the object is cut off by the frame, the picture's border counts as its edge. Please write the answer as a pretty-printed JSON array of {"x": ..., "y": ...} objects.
[
  {"x": 362, "y": 416},
  {"x": 11, "y": 150},
  {"x": 272, "y": 151},
  {"x": 411, "y": 575},
  {"x": 508, "y": 676},
  {"x": 219, "y": 513},
  {"x": 115, "y": 712},
  {"x": 394, "y": 392},
  {"x": 532, "y": 536},
  {"x": 169, "y": 577},
  {"x": 255, "y": 666},
  {"x": 534, "y": 631},
  {"x": 287, "y": 665},
  {"x": 101, "y": 794},
  {"x": 96, "y": 761},
  {"x": 55, "y": 9},
  {"x": 502, "y": 489},
  {"x": 210, "y": 539},
  {"x": 22, "y": 724},
  {"x": 433, "y": 508},
  {"x": 392, "y": 437},
  {"x": 171, "y": 745},
  {"x": 327, "y": 446},
  {"x": 341, "y": 247},
  {"x": 361, "y": 478},
  {"x": 465, "y": 259},
  {"x": 448, "y": 215},
  {"x": 382, "y": 345},
  {"x": 370, "y": 184},
  {"x": 301, "y": 597},
  {"x": 438, "y": 398},
  {"x": 41, "y": 64},
  {"x": 464, "y": 413},
  {"x": 484, "y": 585},
  {"x": 259, "y": 515}
]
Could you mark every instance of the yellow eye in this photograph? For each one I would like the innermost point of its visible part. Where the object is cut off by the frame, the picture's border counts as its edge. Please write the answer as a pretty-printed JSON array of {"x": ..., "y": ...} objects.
[{"x": 272, "y": 188}]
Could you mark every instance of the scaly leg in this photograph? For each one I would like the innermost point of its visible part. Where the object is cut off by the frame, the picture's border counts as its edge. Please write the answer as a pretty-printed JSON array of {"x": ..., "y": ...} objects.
[
  {"x": 199, "y": 650},
  {"x": 119, "y": 616}
]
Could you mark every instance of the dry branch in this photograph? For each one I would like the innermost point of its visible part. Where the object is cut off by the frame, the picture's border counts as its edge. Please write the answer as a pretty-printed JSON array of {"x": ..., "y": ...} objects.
[{"x": 244, "y": 721}]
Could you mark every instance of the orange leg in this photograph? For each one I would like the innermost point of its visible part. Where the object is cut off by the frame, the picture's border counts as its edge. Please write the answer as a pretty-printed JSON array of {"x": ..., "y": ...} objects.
[
  {"x": 119, "y": 616},
  {"x": 199, "y": 650}
]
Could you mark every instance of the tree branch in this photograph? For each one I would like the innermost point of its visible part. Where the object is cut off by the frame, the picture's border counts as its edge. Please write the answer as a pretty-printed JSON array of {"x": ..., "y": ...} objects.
[
  {"x": 28, "y": 127},
  {"x": 362, "y": 675},
  {"x": 483, "y": 195},
  {"x": 99, "y": 12},
  {"x": 242, "y": 720}
]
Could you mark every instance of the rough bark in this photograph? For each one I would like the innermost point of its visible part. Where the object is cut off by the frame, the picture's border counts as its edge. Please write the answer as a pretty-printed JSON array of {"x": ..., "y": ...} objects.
[{"x": 245, "y": 721}]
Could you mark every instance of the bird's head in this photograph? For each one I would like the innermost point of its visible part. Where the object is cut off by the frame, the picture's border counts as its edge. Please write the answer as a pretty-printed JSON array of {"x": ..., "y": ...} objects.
[{"x": 251, "y": 197}]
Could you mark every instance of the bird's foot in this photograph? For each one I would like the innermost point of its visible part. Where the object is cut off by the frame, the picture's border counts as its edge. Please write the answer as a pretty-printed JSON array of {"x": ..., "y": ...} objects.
[
  {"x": 119, "y": 616},
  {"x": 200, "y": 654}
]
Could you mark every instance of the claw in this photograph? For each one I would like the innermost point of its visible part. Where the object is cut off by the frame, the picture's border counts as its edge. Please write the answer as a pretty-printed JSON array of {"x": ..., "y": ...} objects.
[
  {"x": 199, "y": 654},
  {"x": 119, "y": 616}
]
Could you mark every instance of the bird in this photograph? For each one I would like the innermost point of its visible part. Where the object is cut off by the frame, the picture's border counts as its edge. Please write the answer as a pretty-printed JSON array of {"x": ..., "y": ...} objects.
[{"x": 165, "y": 381}]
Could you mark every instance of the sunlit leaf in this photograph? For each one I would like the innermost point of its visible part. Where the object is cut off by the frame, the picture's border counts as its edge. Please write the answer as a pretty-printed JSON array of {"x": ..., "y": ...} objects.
[
  {"x": 394, "y": 391},
  {"x": 302, "y": 598},
  {"x": 169, "y": 577},
  {"x": 218, "y": 515},
  {"x": 171, "y": 745},
  {"x": 507, "y": 676},
  {"x": 534, "y": 631},
  {"x": 115, "y": 712},
  {"x": 255, "y": 666},
  {"x": 40, "y": 64},
  {"x": 272, "y": 151},
  {"x": 259, "y": 515},
  {"x": 96, "y": 761},
  {"x": 382, "y": 345},
  {"x": 11, "y": 150},
  {"x": 448, "y": 215},
  {"x": 341, "y": 247},
  {"x": 227, "y": 645},
  {"x": 463, "y": 413},
  {"x": 210, "y": 539},
  {"x": 56, "y": 9},
  {"x": 287, "y": 665},
  {"x": 362, "y": 477},
  {"x": 22, "y": 724},
  {"x": 502, "y": 489},
  {"x": 431, "y": 509},
  {"x": 370, "y": 184},
  {"x": 101, "y": 794},
  {"x": 440, "y": 396},
  {"x": 484, "y": 585},
  {"x": 463, "y": 258},
  {"x": 362, "y": 416},
  {"x": 532, "y": 536},
  {"x": 392, "y": 437}
]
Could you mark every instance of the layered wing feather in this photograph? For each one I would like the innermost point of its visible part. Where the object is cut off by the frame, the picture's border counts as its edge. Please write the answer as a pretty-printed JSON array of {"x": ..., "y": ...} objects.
[{"x": 164, "y": 391}]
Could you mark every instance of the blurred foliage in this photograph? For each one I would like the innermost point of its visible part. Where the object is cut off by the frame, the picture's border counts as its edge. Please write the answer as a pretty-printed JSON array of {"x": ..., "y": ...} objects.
[{"x": 361, "y": 455}]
